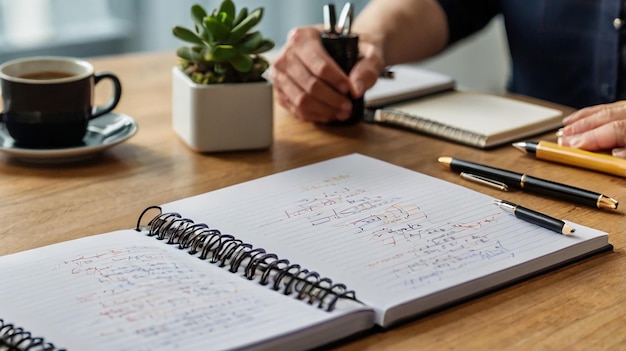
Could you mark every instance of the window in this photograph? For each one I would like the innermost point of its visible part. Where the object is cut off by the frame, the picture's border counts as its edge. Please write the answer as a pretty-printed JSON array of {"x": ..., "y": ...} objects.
[{"x": 61, "y": 27}]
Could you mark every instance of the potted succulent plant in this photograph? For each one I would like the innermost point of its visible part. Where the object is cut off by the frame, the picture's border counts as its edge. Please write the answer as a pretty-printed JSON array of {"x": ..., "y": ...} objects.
[{"x": 221, "y": 101}]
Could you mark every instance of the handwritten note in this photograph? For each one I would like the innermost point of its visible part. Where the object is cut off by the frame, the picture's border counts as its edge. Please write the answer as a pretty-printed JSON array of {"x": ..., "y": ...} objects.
[
  {"x": 141, "y": 283},
  {"x": 390, "y": 233},
  {"x": 125, "y": 291},
  {"x": 404, "y": 241}
]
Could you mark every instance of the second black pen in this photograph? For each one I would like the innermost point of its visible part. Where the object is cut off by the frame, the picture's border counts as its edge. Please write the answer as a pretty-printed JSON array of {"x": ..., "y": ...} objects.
[
  {"x": 532, "y": 184},
  {"x": 535, "y": 217}
]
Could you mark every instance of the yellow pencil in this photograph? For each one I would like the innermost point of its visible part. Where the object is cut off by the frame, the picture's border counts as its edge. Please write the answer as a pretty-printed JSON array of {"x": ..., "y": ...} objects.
[{"x": 548, "y": 151}]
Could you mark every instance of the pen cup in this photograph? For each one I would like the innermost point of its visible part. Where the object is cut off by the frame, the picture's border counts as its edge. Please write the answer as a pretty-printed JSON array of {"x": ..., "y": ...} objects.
[{"x": 344, "y": 49}]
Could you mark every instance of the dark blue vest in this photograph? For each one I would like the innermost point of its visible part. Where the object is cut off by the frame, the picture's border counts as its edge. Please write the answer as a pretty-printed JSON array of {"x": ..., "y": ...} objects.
[{"x": 565, "y": 51}]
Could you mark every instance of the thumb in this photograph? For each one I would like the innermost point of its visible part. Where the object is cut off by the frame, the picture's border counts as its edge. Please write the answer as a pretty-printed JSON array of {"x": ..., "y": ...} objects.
[{"x": 362, "y": 77}]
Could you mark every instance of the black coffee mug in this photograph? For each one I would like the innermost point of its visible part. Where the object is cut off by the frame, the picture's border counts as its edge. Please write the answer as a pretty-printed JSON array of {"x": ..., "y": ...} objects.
[{"x": 48, "y": 101}]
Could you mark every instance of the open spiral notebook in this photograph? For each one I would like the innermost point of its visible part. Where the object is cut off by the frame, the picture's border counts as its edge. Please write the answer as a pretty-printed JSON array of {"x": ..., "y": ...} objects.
[{"x": 290, "y": 261}]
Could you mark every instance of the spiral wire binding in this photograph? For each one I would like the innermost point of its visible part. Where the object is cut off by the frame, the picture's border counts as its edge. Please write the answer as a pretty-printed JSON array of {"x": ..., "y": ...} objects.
[
  {"x": 225, "y": 250},
  {"x": 14, "y": 338}
]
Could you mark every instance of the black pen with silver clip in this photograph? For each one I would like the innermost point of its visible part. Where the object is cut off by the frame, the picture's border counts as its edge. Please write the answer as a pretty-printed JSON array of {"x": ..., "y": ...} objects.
[
  {"x": 535, "y": 217},
  {"x": 532, "y": 184}
]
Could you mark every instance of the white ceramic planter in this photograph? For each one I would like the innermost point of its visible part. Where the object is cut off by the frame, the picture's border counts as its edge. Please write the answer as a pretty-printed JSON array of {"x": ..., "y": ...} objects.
[{"x": 222, "y": 117}]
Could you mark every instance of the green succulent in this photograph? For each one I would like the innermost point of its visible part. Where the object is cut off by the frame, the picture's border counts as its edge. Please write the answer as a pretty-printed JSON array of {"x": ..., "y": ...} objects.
[{"x": 225, "y": 50}]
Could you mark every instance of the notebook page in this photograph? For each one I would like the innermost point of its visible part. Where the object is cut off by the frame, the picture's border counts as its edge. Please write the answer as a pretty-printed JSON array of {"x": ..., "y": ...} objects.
[
  {"x": 391, "y": 234},
  {"x": 481, "y": 113},
  {"x": 409, "y": 81},
  {"x": 127, "y": 291}
]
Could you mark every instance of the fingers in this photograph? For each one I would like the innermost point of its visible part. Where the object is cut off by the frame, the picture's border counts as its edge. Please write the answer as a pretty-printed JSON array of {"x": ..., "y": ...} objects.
[
  {"x": 308, "y": 82},
  {"x": 592, "y": 117},
  {"x": 303, "y": 106},
  {"x": 600, "y": 127},
  {"x": 606, "y": 136},
  {"x": 312, "y": 86},
  {"x": 365, "y": 73},
  {"x": 305, "y": 44}
]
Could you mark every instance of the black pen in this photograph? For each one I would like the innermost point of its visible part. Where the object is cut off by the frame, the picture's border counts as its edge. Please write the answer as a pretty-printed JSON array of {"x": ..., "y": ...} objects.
[
  {"x": 535, "y": 217},
  {"x": 531, "y": 184}
]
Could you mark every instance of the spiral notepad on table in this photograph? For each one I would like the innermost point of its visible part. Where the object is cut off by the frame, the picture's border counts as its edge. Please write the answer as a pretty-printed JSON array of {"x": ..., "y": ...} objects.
[
  {"x": 471, "y": 118},
  {"x": 293, "y": 260}
]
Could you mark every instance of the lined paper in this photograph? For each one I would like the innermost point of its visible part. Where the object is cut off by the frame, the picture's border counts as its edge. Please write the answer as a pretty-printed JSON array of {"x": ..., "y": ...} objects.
[
  {"x": 127, "y": 291},
  {"x": 392, "y": 234},
  {"x": 404, "y": 241}
]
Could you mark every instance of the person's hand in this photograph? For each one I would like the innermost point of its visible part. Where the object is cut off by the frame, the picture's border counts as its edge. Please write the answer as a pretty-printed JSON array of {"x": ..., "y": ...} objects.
[
  {"x": 309, "y": 83},
  {"x": 599, "y": 127}
]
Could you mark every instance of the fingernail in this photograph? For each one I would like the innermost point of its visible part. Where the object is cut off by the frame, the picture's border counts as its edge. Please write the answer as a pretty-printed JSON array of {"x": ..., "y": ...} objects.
[
  {"x": 559, "y": 133},
  {"x": 575, "y": 140},
  {"x": 619, "y": 152}
]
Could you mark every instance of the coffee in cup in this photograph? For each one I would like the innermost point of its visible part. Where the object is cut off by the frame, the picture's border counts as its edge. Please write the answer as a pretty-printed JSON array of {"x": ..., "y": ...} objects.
[{"x": 48, "y": 101}]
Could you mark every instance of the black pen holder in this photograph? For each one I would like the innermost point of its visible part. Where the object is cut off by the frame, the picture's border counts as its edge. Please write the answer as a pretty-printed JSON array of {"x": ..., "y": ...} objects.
[{"x": 344, "y": 49}]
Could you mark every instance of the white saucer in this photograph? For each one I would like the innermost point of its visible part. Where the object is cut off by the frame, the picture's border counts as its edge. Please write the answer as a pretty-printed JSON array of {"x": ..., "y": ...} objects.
[{"x": 102, "y": 133}]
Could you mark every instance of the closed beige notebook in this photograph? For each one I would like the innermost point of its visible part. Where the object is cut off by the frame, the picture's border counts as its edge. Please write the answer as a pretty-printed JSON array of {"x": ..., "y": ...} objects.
[{"x": 476, "y": 119}]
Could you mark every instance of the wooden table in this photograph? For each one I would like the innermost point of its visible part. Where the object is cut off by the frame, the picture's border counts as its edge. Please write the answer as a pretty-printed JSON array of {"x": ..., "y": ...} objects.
[{"x": 581, "y": 306}]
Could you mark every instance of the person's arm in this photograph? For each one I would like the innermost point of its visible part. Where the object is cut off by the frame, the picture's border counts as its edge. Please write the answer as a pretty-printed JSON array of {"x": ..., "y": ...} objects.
[
  {"x": 312, "y": 86},
  {"x": 404, "y": 30},
  {"x": 600, "y": 127}
]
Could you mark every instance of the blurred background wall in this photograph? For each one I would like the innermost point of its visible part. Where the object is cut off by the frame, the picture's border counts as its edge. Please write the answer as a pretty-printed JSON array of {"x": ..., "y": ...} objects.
[{"x": 89, "y": 28}]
